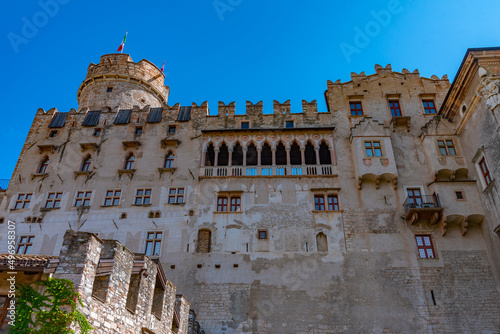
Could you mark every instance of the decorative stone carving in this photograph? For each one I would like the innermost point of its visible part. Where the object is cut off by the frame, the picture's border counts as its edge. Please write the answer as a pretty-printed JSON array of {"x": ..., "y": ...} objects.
[{"x": 490, "y": 91}]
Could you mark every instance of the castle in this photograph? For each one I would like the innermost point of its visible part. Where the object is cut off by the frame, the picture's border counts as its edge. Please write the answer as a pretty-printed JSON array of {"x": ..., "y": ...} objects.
[{"x": 380, "y": 215}]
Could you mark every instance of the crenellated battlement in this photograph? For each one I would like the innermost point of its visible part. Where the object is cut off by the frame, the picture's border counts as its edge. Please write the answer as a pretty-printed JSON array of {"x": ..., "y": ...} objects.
[{"x": 117, "y": 81}]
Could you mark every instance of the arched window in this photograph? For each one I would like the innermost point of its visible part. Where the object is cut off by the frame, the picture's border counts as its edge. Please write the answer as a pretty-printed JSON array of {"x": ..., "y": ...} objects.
[
  {"x": 266, "y": 155},
  {"x": 129, "y": 162},
  {"x": 86, "y": 164},
  {"x": 295, "y": 154},
  {"x": 210, "y": 155},
  {"x": 169, "y": 160},
  {"x": 237, "y": 155},
  {"x": 252, "y": 155},
  {"x": 310, "y": 154},
  {"x": 223, "y": 156},
  {"x": 325, "y": 158},
  {"x": 43, "y": 166},
  {"x": 321, "y": 242},
  {"x": 280, "y": 154}
]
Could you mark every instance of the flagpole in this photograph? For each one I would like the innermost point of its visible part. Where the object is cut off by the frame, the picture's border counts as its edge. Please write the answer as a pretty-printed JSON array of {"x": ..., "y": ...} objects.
[{"x": 124, "y": 42}]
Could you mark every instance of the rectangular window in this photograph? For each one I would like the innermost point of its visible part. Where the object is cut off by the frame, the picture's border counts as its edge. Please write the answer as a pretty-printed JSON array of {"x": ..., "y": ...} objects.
[
  {"x": 356, "y": 108},
  {"x": 153, "y": 243},
  {"x": 143, "y": 196},
  {"x": 23, "y": 201},
  {"x": 395, "y": 108},
  {"x": 373, "y": 149},
  {"x": 138, "y": 130},
  {"x": 25, "y": 243},
  {"x": 97, "y": 132},
  {"x": 262, "y": 234},
  {"x": 429, "y": 107},
  {"x": 53, "y": 134},
  {"x": 289, "y": 124},
  {"x": 414, "y": 196},
  {"x": 235, "y": 204},
  {"x": 53, "y": 200},
  {"x": 485, "y": 171},
  {"x": 333, "y": 202},
  {"x": 82, "y": 198},
  {"x": 112, "y": 197},
  {"x": 245, "y": 125},
  {"x": 319, "y": 203},
  {"x": 424, "y": 246},
  {"x": 222, "y": 204},
  {"x": 459, "y": 194},
  {"x": 446, "y": 147},
  {"x": 176, "y": 195},
  {"x": 171, "y": 129}
]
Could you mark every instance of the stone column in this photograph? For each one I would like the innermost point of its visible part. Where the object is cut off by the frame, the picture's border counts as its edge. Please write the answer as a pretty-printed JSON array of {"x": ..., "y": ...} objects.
[
  {"x": 259, "y": 151},
  {"x": 230, "y": 157},
  {"x": 273, "y": 152},
  {"x": 203, "y": 157},
  {"x": 303, "y": 154},
  {"x": 287, "y": 149},
  {"x": 216, "y": 159},
  {"x": 316, "y": 149},
  {"x": 244, "y": 149}
]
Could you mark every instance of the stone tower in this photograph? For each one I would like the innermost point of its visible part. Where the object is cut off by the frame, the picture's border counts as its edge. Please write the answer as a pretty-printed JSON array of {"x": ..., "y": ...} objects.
[{"x": 119, "y": 83}]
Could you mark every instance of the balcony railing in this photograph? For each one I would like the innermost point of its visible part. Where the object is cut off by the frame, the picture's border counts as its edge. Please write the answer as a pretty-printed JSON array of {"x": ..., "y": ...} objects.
[
  {"x": 423, "y": 207},
  {"x": 288, "y": 170}
]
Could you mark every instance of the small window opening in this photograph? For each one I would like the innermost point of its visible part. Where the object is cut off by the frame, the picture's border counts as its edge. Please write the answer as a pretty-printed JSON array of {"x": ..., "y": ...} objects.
[
  {"x": 53, "y": 134},
  {"x": 262, "y": 235},
  {"x": 217, "y": 266},
  {"x": 433, "y": 297},
  {"x": 235, "y": 265},
  {"x": 171, "y": 129},
  {"x": 245, "y": 125},
  {"x": 459, "y": 194},
  {"x": 289, "y": 124},
  {"x": 109, "y": 90},
  {"x": 159, "y": 292},
  {"x": 133, "y": 292},
  {"x": 138, "y": 130},
  {"x": 97, "y": 132},
  {"x": 199, "y": 266}
]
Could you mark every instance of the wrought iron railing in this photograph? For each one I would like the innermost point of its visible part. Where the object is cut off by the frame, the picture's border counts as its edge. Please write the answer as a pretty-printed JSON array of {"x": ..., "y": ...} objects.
[{"x": 422, "y": 202}]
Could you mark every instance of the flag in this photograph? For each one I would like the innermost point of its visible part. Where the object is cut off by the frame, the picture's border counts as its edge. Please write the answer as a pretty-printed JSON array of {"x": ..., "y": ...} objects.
[
  {"x": 162, "y": 66},
  {"x": 120, "y": 48}
]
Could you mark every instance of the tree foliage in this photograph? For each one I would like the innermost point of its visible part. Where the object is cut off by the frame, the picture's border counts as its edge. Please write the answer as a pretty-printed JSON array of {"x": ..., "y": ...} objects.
[{"x": 48, "y": 312}]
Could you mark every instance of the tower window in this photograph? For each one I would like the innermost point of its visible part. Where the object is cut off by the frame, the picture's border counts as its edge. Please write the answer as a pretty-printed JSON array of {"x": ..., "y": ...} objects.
[
  {"x": 356, "y": 108},
  {"x": 138, "y": 130},
  {"x": 289, "y": 124},
  {"x": 429, "y": 107},
  {"x": 171, "y": 129},
  {"x": 97, "y": 132},
  {"x": 245, "y": 125},
  {"x": 109, "y": 90},
  {"x": 53, "y": 134}
]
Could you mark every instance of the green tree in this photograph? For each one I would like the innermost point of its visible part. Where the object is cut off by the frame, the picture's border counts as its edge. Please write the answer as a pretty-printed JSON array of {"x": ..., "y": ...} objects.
[{"x": 49, "y": 312}]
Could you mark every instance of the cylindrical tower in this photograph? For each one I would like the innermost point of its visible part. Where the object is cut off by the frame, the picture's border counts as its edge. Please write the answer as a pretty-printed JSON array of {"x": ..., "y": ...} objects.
[{"x": 119, "y": 82}]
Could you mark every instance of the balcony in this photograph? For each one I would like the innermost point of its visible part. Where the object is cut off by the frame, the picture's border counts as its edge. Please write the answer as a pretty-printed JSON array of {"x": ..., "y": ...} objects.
[
  {"x": 266, "y": 171},
  {"x": 425, "y": 207}
]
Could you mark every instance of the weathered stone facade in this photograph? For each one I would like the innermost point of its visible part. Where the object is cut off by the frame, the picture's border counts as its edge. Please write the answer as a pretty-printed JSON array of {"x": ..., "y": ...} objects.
[
  {"x": 378, "y": 216},
  {"x": 121, "y": 292}
]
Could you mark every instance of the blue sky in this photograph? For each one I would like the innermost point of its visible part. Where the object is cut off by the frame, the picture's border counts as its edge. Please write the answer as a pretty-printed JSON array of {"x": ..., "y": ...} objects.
[{"x": 226, "y": 50}]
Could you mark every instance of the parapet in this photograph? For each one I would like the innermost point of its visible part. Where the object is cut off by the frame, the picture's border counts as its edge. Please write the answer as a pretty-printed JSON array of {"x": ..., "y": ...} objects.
[{"x": 112, "y": 80}]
